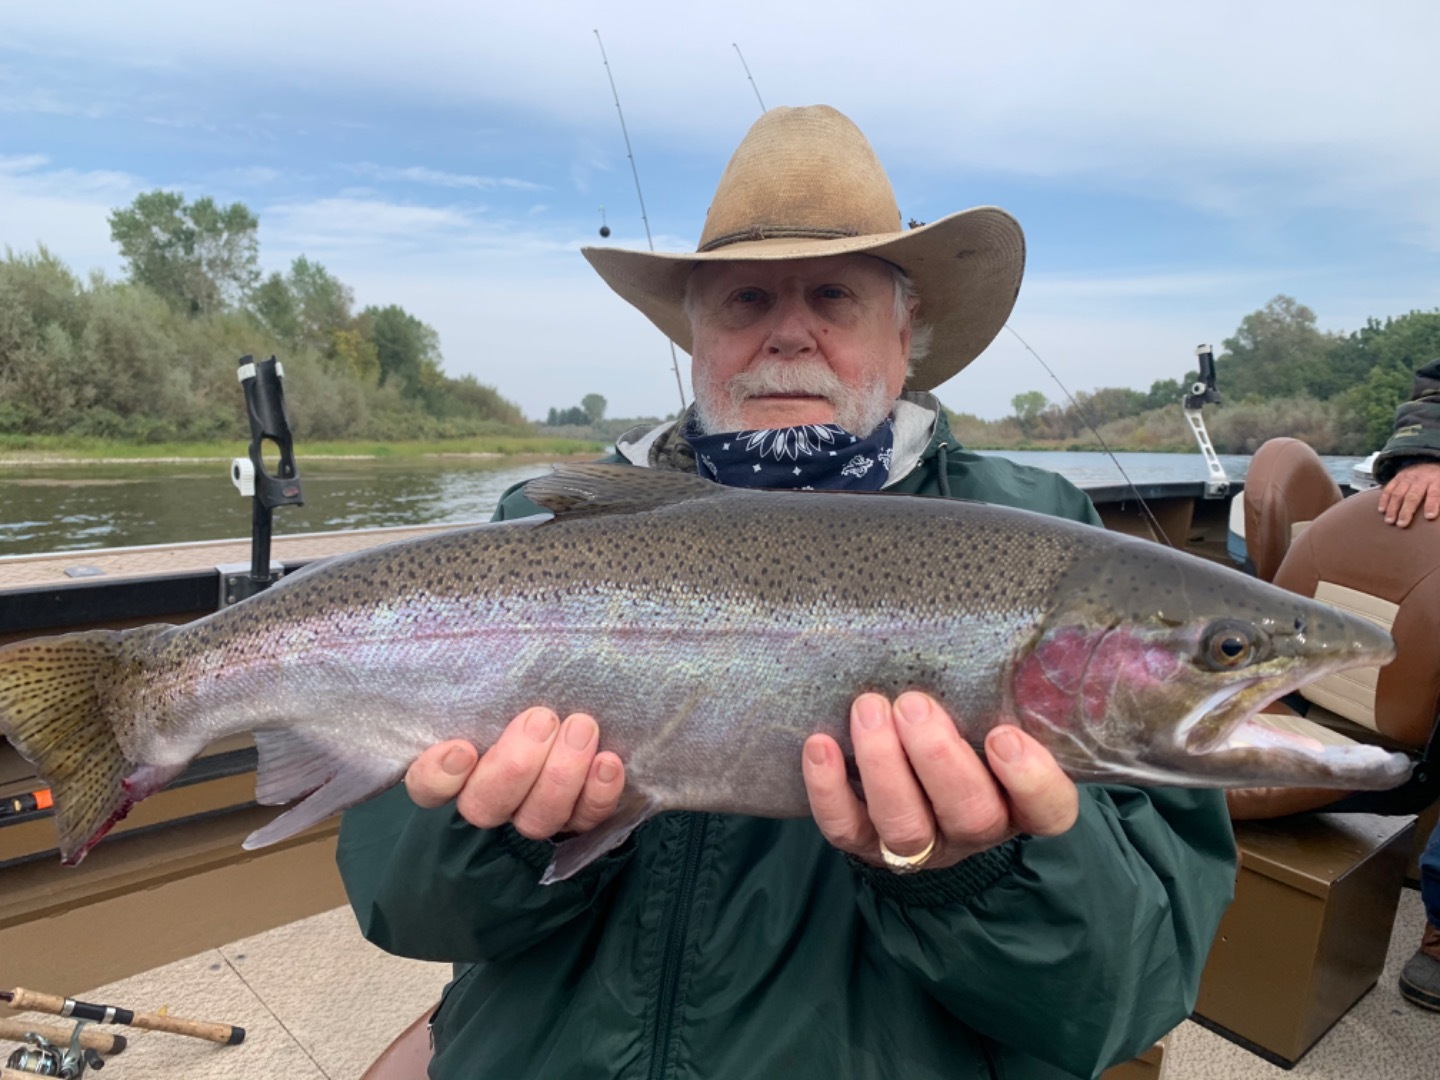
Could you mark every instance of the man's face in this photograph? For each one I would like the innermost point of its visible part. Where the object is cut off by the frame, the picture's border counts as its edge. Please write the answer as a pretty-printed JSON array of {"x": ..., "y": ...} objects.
[{"x": 808, "y": 341}]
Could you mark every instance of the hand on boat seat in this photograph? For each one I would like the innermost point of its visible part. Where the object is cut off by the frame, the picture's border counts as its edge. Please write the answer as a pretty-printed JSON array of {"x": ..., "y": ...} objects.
[
  {"x": 1408, "y": 489},
  {"x": 542, "y": 776},
  {"x": 930, "y": 801}
]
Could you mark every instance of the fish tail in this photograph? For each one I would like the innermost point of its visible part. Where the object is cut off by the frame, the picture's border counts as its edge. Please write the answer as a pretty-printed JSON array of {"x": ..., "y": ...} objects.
[{"x": 52, "y": 709}]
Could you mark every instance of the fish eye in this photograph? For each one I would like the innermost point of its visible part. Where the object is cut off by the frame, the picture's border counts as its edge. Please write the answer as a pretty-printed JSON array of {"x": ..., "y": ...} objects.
[{"x": 1229, "y": 645}]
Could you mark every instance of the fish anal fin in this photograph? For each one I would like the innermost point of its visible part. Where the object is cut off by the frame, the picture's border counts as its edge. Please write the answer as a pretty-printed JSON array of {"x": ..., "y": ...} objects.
[
  {"x": 291, "y": 766},
  {"x": 573, "y": 855},
  {"x": 598, "y": 488},
  {"x": 351, "y": 781}
]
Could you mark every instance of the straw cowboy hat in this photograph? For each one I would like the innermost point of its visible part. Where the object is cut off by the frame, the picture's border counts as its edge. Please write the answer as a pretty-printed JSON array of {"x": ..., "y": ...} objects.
[{"x": 805, "y": 183}]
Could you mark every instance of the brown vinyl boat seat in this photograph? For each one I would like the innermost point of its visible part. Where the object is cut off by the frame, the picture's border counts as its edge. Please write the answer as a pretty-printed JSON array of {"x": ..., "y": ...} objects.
[
  {"x": 1286, "y": 488},
  {"x": 408, "y": 1056},
  {"x": 1349, "y": 558}
]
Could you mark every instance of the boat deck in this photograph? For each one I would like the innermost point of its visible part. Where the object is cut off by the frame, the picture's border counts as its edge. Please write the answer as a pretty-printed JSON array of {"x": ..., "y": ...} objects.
[{"x": 318, "y": 1002}]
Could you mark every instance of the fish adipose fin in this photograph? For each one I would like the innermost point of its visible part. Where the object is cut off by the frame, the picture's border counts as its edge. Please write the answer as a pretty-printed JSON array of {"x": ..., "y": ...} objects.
[
  {"x": 52, "y": 709},
  {"x": 292, "y": 766},
  {"x": 583, "y": 490},
  {"x": 573, "y": 855}
]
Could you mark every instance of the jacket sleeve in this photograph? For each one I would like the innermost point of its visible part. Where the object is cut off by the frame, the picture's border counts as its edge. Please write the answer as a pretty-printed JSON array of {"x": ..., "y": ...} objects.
[
  {"x": 1091, "y": 943},
  {"x": 1417, "y": 426},
  {"x": 427, "y": 884}
]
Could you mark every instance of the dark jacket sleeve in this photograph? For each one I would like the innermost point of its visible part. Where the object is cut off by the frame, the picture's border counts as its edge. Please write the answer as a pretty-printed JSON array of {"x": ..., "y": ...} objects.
[
  {"x": 429, "y": 885},
  {"x": 1417, "y": 426},
  {"x": 1092, "y": 942}
]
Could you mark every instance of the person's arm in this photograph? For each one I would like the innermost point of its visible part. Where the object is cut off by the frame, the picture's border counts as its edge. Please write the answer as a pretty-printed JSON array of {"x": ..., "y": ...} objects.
[
  {"x": 447, "y": 866},
  {"x": 1409, "y": 464},
  {"x": 1071, "y": 924}
]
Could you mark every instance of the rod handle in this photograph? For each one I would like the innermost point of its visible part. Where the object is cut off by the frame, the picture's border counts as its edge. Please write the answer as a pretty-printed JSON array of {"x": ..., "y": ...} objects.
[
  {"x": 99, "y": 1041},
  {"x": 227, "y": 1034}
]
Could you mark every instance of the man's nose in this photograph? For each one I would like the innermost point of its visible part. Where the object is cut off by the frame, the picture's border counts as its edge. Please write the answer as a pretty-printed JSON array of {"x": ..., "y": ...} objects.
[{"x": 792, "y": 329}]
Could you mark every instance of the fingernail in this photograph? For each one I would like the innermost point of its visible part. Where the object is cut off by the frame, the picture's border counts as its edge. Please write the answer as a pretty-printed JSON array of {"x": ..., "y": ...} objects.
[
  {"x": 815, "y": 751},
  {"x": 456, "y": 760},
  {"x": 869, "y": 712},
  {"x": 1006, "y": 746},
  {"x": 913, "y": 708},
  {"x": 540, "y": 724},
  {"x": 606, "y": 771},
  {"x": 578, "y": 730}
]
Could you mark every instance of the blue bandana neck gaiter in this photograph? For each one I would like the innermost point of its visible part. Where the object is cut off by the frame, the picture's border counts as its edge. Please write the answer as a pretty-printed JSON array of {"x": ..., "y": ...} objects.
[{"x": 807, "y": 457}]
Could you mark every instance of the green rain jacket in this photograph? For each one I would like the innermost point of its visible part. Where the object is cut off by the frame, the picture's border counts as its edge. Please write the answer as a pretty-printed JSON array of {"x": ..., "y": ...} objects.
[{"x": 723, "y": 946}]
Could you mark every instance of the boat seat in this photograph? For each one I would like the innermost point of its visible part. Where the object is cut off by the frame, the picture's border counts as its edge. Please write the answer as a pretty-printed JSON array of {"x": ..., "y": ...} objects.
[
  {"x": 1286, "y": 488},
  {"x": 1351, "y": 559},
  {"x": 408, "y": 1056}
]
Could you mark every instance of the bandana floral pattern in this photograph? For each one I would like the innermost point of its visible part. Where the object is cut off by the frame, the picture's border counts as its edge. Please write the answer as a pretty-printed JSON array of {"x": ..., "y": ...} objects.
[{"x": 806, "y": 457}]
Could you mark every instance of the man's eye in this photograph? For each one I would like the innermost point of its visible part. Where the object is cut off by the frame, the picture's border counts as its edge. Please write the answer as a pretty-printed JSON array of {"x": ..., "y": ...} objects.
[
  {"x": 749, "y": 296},
  {"x": 832, "y": 292}
]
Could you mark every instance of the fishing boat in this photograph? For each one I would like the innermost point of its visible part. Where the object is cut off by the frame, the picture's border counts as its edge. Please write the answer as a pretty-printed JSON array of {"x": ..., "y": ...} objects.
[{"x": 171, "y": 911}]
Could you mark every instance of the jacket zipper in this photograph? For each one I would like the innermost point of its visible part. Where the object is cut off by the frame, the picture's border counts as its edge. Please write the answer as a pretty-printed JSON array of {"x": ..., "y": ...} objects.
[{"x": 679, "y": 926}]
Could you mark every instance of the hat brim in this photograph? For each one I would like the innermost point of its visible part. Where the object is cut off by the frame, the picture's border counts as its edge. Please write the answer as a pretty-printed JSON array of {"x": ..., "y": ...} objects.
[{"x": 967, "y": 268}]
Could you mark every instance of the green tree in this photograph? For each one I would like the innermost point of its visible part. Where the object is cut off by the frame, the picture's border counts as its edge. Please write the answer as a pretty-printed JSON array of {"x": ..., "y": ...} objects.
[
  {"x": 200, "y": 257},
  {"x": 1277, "y": 352},
  {"x": 408, "y": 349},
  {"x": 594, "y": 406},
  {"x": 1028, "y": 406}
]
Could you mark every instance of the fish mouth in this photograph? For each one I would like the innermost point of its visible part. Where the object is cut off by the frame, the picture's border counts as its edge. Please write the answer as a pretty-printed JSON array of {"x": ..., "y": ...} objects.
[{"x": 1224, "y": 737}]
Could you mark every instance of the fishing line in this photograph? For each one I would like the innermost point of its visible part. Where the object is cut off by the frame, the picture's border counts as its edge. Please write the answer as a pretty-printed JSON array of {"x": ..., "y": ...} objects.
[
  {"x": 1156, "y": 533},
  {"x": 674, "y": 359}
]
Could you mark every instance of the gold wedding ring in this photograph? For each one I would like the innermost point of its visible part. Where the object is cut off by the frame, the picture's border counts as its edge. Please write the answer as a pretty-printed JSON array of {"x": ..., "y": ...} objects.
[{"x": 906, "y": 864}]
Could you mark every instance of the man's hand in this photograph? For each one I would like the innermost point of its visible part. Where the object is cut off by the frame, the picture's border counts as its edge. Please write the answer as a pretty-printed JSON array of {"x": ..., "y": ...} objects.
[
  {"x": 924, "y": 783},
  {"x": 542, "y": 776},
  {"x": 1407, "y": 489}
]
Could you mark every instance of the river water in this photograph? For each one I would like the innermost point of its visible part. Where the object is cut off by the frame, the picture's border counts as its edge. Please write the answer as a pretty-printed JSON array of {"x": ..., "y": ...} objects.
[{"x": 79, "y": 507}]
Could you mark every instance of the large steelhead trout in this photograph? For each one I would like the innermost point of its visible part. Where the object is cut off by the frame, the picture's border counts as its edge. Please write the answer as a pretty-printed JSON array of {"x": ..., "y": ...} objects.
[{"x": 710, "y": 630}]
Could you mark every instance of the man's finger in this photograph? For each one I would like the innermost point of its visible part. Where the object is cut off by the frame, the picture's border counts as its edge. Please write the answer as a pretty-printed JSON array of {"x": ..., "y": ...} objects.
[
  {"x": 894, "y": 800},
  {"x": 507, "y": 771},
  {"x": 1043, "y": 800},
  {"x": 969, "y": 807},
  {"x": 601, "y": 794},
  {"x": 1411, "y": 503},
  {"x": 839, "y": 814},
  {"x": 438, "y": 774},
  {"x": 1432, "y": 501},
  {"x": 550, "y": 802}
]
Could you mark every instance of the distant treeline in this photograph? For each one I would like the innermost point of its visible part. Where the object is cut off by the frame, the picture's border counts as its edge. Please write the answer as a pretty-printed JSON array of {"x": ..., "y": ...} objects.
[
  {"x": 1278, "y": 375},
  {"x": 152, "y": 358}
]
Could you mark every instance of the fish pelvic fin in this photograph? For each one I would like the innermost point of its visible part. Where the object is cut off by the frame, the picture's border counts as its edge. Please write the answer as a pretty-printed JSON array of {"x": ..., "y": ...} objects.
[
  {"x": 292, "y": 765},
  {"x": 573, "y": 855},
  {"x": 600, "y": 488},
  {"x": 53, "y": 710}
]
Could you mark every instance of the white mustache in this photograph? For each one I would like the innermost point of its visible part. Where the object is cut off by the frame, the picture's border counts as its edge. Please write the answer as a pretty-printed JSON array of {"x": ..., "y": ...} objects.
[{"x": 786, "y": 377}]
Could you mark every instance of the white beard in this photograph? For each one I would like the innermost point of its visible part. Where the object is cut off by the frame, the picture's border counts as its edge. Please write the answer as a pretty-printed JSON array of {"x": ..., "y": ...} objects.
[{"x": 719, "y": 408}]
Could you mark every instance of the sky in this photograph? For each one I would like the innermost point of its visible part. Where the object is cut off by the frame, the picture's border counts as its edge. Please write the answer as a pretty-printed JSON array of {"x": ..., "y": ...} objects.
[{"x": 1174, "y": 166}]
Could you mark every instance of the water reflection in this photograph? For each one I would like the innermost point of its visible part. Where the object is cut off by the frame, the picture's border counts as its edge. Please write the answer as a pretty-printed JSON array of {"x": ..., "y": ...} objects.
[{"x": 82, "y": 507}]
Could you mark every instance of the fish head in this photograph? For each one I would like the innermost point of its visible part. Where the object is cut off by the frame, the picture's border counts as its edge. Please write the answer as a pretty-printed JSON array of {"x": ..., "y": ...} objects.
[{"x": 1150, "y": 667}]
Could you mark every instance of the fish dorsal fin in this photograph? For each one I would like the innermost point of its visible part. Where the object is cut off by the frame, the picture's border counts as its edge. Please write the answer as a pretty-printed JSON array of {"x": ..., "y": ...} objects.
[{"x": 574, "y": 490}]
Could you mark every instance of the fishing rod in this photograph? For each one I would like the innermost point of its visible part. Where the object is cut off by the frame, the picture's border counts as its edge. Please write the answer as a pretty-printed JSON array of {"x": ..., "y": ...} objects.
[
  {"x": 20, "y": 998},
  {"x": 753, "y": 85},
  {"x": 674, "y": 359}
]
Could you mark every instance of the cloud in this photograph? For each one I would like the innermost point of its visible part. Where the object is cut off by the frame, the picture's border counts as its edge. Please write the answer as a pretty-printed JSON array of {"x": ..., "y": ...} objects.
[{"x": 418, "y": 174}]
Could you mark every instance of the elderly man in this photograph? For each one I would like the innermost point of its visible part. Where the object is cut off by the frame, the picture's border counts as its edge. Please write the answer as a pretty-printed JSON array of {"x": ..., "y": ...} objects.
[{"x": 969, "y": 916}]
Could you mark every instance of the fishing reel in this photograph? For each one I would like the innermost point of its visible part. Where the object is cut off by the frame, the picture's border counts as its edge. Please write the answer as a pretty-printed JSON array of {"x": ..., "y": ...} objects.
[{"x": 41, "y": 1057}]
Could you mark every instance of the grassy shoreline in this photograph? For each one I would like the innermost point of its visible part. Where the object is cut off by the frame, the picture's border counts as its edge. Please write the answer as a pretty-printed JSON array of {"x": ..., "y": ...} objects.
[{"x": 58, "y": 450}]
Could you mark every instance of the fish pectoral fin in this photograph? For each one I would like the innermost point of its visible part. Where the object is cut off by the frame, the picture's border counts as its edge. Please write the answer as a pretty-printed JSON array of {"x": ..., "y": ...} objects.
[
  {"x": 580, "y": 490},
  {"x": 354, "y": 782},
  {"x": 573, "y": 855}
]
